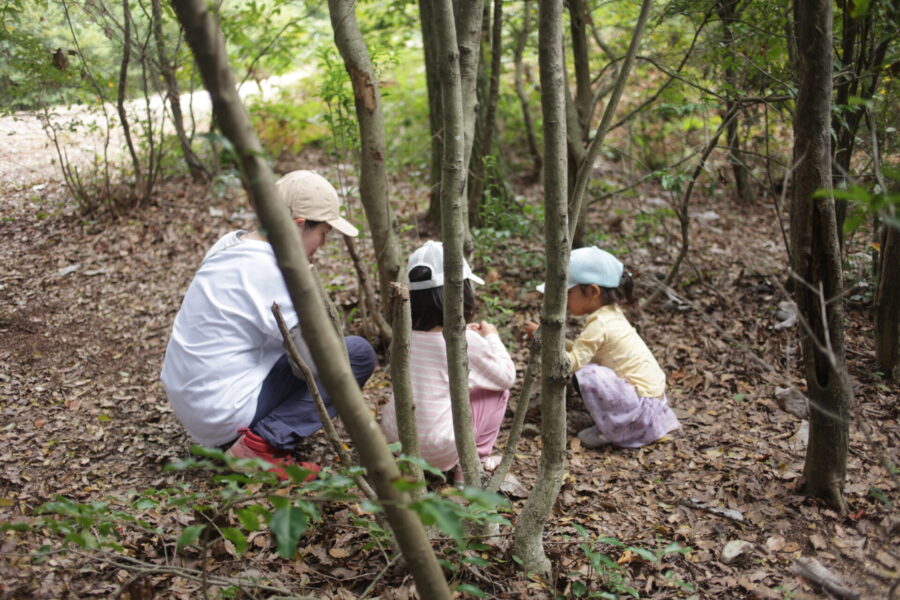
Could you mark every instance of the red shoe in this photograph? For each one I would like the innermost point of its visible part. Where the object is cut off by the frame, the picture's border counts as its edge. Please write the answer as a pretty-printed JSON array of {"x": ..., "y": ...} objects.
[{"x": 250, "y": 445}]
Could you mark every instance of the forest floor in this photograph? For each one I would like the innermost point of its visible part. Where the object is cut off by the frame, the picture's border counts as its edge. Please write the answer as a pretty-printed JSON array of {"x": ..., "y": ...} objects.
[{"x": 86, "y": 307}]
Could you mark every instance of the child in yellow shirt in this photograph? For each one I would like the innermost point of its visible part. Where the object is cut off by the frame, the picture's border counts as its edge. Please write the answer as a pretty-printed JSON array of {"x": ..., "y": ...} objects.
[{"x": 622, "y": 385}]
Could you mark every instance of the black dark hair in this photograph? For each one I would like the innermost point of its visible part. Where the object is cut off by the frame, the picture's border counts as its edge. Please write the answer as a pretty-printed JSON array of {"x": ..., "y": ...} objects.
[
  {"x": 310, "y": 224},
  {"x": 624, "y": 294},
  {"x": 427, "y": 306}
]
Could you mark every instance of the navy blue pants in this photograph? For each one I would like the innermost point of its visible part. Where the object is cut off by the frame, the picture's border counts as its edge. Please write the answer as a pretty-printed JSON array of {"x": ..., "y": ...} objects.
[{"x": 285, "y": 410}]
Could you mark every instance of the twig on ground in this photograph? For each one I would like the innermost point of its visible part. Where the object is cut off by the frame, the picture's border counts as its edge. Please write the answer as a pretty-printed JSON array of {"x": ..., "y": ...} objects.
[{"x": 813, "y": 570}]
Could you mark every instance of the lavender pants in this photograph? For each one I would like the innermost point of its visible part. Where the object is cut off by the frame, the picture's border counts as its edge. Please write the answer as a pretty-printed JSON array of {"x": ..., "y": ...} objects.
[{"x": 621, "y": 415}]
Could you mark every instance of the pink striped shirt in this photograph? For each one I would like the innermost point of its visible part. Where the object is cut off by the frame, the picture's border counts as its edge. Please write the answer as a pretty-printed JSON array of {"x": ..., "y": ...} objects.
[{"x": 490, "y": 368}]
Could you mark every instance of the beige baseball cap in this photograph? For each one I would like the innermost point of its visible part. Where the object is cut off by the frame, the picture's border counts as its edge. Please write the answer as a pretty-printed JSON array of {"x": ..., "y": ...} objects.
[{"x": 308, "y": 195}]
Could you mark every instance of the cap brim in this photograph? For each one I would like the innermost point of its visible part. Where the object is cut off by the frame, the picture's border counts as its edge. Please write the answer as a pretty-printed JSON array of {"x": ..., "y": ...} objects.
[
  {"x": 344, "y": 226},
  {"x": 475, "y": 278},
  {"x": 540, "y": 287}
]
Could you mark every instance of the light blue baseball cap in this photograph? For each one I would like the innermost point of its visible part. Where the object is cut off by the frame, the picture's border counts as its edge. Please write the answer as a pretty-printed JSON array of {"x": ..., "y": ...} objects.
[{"x": 591, "y": 265}]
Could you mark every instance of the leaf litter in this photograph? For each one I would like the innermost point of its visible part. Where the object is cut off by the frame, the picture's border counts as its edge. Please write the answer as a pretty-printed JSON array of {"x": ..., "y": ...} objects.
[{"x": 87, "y": 309}]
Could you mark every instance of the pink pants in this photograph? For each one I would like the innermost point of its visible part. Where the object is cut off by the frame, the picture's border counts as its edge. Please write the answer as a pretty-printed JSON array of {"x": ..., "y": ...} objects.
[
  {"x": 621, "y": 415},
  {"x": 488, "y": 409}
]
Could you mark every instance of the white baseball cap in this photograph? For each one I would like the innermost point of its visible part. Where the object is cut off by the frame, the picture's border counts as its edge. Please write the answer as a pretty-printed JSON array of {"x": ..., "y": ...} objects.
[
  {"x": 591, "y": 265},
  {"x": 431, "y": 255},
  {"x": 308, "y": 195}
]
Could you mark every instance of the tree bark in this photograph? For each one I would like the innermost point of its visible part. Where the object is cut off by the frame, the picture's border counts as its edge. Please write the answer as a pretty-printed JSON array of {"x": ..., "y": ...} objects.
[
  {"x": 196, "y": 167},
  {"x": 584, "y": 96},
  {"x": 521, "y": 41},
  {"x": 862, "y": 60},
  {"x": 486, "y": 139},
  {"x": 120, "y": 97},
  {"x": 373, "y": 178},
  {"x": 887, "y": 304},
  {"x": 554, "y": 367},
  {"x": 728, "y": 13},
  {"x": 453, "y": 226},
  {"x": 817, "y": 259},
  {"x": 435, "y": 114},
  {"x": 577, "y": 206},
  {"x": 206, "y": 41},
  {"x": 401, "y": 383}
]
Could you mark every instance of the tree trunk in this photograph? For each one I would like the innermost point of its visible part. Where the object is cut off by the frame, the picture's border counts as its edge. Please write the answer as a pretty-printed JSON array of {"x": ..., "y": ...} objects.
[
  {"x": 521, "y": 41},
  {"x": 404, "y": 406},
  {"x": 373, "y": 178},
  {"x": 554, "y": 367},
  {"x": 206, "y": 41},
  {"x": 887, "y": 304},
  {"x": 577, "y": 205},
  {"x": 862, "y": 59},
  {"x": 435, "y": 114},
  {"x": 121, "y": 93},
  {"x": 453, "y": 226},
  {"x": 728, "y": 13},
  {"x": 817, "y": 259},
  {"x": 486, "y": 138},
  {"x": 584, "y": 95},
  {"x": 196, "y": 167}
]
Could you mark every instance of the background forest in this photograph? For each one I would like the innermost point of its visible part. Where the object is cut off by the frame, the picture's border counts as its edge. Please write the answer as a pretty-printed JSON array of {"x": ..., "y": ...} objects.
[{"x": 740, "y": 157}]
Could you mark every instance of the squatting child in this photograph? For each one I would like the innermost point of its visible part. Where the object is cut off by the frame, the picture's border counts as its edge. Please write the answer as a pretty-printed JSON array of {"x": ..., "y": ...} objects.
[
  {"x": 622, "y": 385},
  {"x": 491, "y": 370}
]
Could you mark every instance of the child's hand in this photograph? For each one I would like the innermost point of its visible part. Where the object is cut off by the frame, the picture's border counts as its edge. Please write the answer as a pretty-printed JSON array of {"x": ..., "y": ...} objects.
[
  {"x": 528, "y": 328},
  {"x": 484, "y": 328}
]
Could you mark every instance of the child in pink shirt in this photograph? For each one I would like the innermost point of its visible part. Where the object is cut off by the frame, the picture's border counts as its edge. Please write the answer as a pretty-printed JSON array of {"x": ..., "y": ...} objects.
[{"x": 491, "y": 370}]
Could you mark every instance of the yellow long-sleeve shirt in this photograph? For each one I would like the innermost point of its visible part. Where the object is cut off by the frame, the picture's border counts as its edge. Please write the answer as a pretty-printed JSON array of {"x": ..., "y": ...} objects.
[{"x": 609, "y": 340}]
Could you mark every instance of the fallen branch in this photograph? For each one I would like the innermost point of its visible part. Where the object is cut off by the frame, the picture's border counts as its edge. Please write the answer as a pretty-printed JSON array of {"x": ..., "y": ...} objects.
[
  {"x": 813, "y": 570},
  {"x": 728, "y": 513}
]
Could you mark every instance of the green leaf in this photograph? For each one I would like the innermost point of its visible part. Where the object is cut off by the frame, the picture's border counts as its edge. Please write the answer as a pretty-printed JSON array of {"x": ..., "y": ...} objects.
[
  {"x": 205, "y": 452},
  {"x": 644, "y": 553},
  {"x": 437, "y": 512},
  {"x": 287, "y": 523},
  {"x": 475, "y": 560},
  {"x": 189, "y": 536},
  {"x": 405, "y": 484},
  {"x": 249, "y": 518},
  {"x": 236, "y": 537},
  {"x": 472, "y": 590}
]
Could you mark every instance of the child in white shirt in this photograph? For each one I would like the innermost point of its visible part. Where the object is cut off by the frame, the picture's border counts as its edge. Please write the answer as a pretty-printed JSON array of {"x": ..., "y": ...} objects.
[
  {"x": 491, "y": 370},
  {"x": 622, "y": 385}
]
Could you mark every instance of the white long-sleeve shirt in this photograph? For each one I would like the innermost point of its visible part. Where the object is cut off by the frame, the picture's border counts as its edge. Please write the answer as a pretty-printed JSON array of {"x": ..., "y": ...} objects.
[{"x": 490, "y": 368}]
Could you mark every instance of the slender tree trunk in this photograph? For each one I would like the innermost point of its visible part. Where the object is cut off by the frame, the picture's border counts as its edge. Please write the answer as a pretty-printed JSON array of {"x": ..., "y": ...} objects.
[
  {"x": 373, "y": 178},
  {"x": 404, "y": 407},
  {"x": 887, "y": 304},
  {"x": 122, "y": 90},
  {"x": 521, "y": 41},
  {"x": 817, "y": 259},
  {"x": 584, "y": 95},
  {"x": 577, "y": 206},
  {"x": 862, "y": 60},
  {"x": 195, "y": 166},
  {"x": 206, "y": 41},
  {"x": 453, "y": 225},
  {"x": 554, "y": 367},
  {"x": 435, "y": 114},
  {"x": 489, "y": 125},
  {"x": 728, "y": 13}
]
